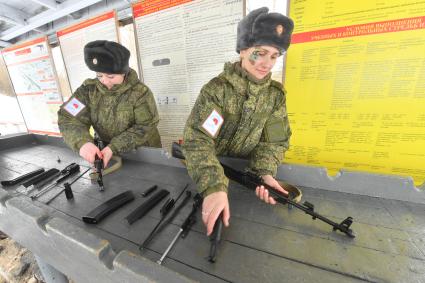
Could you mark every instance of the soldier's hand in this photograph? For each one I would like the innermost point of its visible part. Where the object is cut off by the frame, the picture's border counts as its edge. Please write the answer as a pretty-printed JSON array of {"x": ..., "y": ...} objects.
[
  {"x": 263, "y": 193},
  {"x": 107, "y": 155},
  {"x": 88, "y": 151},
  {"x": 211, "y": 208}
]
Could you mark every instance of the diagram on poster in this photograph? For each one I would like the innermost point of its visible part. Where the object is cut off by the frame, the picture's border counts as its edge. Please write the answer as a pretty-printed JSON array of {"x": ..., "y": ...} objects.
[{"x": 32, "y": 74}]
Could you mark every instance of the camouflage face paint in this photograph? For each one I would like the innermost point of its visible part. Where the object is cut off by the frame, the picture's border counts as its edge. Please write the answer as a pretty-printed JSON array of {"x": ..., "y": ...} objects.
[{"x": 254, "y": 56}]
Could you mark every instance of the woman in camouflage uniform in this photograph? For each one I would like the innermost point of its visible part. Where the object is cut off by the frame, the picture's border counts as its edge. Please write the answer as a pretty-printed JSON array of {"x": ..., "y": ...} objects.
[
  {"x": 120, "y": 108},
  {"x": 241, "y": 113}
]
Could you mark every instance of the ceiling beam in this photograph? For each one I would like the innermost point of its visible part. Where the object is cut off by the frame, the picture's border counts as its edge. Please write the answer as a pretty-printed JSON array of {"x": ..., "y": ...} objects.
[
  {"x": 13, "y": 21},
  {"x": 12, "y": 15},
  {"x": 4, "y": 43},
  {"x": 63, "y": 9},
  {"x": 51, "y": 4},
  {"x": 76, "y": 15}
]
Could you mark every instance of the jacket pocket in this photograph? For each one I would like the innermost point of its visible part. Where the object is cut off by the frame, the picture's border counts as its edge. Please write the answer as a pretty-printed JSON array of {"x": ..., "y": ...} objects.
[{"x": 274, "y": 130}]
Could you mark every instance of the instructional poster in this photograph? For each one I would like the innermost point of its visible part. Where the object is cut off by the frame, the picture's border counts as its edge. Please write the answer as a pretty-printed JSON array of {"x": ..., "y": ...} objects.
[
  {"x": 33, "y": 77},
  {"x": 73, "y": 39},
  {"x": 182, "y": 45},
  {"x": 11, "y": 120},
  {"x": 355, "y": 77}
]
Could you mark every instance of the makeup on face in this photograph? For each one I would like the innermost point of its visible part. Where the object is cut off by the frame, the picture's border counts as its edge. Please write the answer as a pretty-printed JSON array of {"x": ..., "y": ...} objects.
[{"x": 259, "y": 60}]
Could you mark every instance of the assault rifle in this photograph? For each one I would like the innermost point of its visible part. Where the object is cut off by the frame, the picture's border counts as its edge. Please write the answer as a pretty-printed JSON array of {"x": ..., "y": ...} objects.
[
  {"x": 98, "y": 163},
  {"x": 252, "y": 181}
]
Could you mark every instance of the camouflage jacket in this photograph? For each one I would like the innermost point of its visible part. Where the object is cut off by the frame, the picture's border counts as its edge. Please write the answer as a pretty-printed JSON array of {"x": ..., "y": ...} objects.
[
  {"x": 255, "y": 126},
  {"x": 124, "y": 117}
]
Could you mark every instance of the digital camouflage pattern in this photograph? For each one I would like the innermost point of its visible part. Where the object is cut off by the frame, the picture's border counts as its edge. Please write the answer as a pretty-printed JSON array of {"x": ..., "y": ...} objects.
[
  {"x": 124, "y": 117},
  {"x": 255, "y": 126}
]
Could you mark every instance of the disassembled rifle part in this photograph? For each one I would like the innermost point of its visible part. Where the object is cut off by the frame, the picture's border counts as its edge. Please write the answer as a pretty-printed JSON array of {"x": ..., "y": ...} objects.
[
  {"x": 185, "y": 227},
  {"x": 215, "y": 238},
  {"x": 149, "y": 191},
  {"x": 106, "y": 208},
  {"x": 166, "y": 208},
  {"x": 22, "y": 178},
  {"x": 65, "y": 174},
  {"x": 61, "y": 191},
  {"x": 145, "y": 207}
]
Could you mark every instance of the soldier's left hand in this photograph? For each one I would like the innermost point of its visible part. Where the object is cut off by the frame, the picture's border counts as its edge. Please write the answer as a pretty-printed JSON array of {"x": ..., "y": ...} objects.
[
  {"x": 263, "y": 193},
  {"x": 107, "y": 155}
]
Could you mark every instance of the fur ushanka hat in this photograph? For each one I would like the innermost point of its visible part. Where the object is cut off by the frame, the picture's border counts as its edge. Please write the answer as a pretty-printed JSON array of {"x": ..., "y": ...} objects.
[
  {"x": 106, "y": 57},
  {"x": 262, "y": 28}
]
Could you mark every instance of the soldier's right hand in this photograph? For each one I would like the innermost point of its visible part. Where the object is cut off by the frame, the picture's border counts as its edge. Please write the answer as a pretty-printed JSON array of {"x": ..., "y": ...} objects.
[
  {"x": 212, "y": 206},
  {"x": 88, "y": 151}
]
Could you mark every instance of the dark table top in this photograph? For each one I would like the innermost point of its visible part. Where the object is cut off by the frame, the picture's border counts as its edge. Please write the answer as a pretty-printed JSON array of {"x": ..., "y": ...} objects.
[{"x": 264, "y": 243}]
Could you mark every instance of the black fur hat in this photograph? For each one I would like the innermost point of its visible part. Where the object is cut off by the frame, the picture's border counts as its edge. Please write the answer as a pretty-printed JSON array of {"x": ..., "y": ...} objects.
[
  {"x": 106, "y": 57},
  {"x": 262, "y": 28}
]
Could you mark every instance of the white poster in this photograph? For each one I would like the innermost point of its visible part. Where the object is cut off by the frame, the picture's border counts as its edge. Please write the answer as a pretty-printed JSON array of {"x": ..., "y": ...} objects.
[
  {"x": 73, "y": 39},
  {"x": 182, "y": 45},
  {"x": 33, "y": 77}
]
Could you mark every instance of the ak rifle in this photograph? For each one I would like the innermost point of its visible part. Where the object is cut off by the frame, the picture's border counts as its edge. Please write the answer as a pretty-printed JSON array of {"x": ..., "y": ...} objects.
[
  {"x": 98, "y": 163},
  {"x": 252, "y": 181}
]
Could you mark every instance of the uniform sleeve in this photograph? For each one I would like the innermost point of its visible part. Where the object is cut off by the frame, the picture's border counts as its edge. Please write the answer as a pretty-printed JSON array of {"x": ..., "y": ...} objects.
[
  {"x": 268, "y": 154},
  {"x": 146, "y": 120},
  {"x": 75, "y": 127},
  {"x": 199, "y": 146}
]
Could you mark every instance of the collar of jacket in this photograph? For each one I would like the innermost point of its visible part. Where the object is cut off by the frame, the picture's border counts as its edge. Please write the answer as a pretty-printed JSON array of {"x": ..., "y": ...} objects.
[
  {"x": 130, "y": 80},
  {"x": 243, "y": 81}
]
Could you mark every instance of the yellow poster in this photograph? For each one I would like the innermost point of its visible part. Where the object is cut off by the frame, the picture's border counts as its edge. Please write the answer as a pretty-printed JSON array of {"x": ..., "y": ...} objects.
[{"x": 355, "y": 77}]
